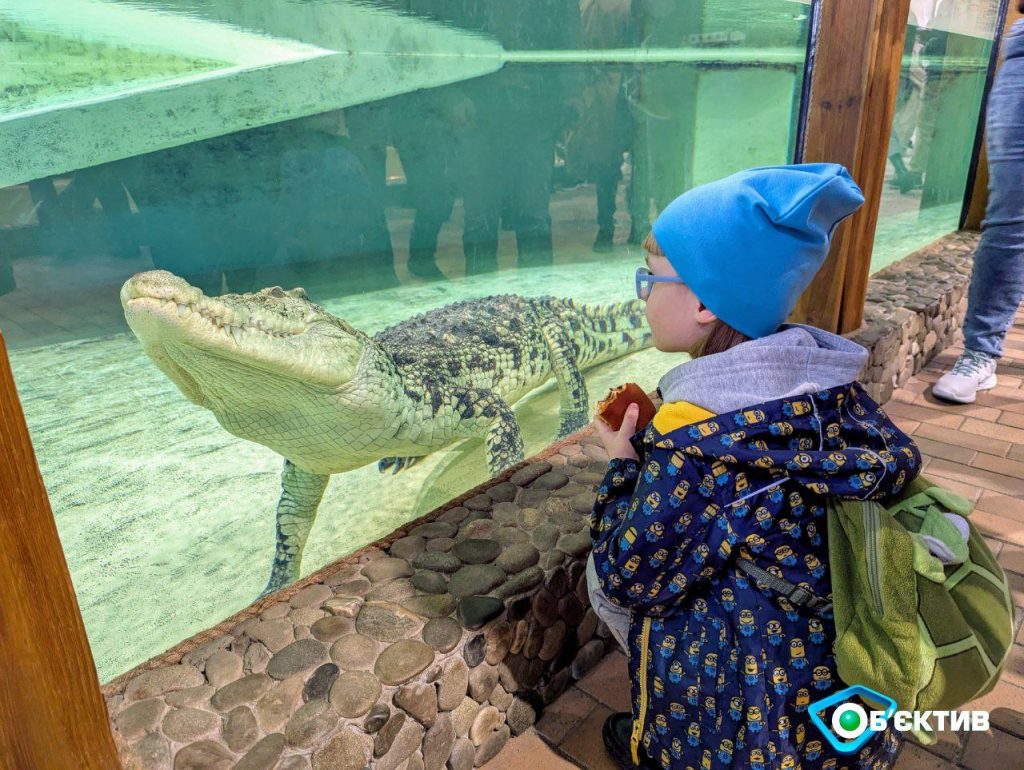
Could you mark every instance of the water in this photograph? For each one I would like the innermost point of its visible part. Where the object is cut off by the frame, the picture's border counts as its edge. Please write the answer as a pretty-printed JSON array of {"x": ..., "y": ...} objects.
[
  {"x": 389, "y": 157},
  {"x": 167, "y": 520}
]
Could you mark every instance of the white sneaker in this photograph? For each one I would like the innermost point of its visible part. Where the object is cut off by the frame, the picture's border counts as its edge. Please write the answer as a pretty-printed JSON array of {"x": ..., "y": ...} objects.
[{"x": 973, "y": 371}]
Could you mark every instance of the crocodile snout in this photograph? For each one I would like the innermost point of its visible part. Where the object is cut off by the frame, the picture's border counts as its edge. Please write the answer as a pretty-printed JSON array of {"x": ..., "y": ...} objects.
[{"x": 159, "y": 284}]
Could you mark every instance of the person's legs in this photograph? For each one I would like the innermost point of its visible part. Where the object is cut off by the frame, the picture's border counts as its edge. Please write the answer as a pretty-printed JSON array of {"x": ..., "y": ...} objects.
[
  {"x": 639, "y": 194},
  {"x": 997, "y": 284},
  {"x": 480, "y": 180},
  {"x": 424, "y": 145},
  {"x": 530, "y": 178},
  {"x": 433, "y": 208},
  {"x": 607, "y": 182}
]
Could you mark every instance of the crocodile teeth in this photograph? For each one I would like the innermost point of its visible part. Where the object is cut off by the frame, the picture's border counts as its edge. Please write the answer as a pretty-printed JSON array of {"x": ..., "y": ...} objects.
[
  {"x": 182, "y": 309},
  {"x": 236, "y": 332}
]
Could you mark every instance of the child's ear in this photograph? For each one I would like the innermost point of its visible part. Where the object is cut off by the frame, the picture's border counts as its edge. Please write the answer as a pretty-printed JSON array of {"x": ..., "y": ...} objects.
[{"x": 705, "y": 316}]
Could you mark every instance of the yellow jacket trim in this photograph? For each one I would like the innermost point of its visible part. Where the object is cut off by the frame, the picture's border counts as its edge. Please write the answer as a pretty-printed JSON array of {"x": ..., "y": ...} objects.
[
  {"x": 676, "y": 414},
  {"x": 670, "y": 417},
  {"x": 638, "y": 724}
]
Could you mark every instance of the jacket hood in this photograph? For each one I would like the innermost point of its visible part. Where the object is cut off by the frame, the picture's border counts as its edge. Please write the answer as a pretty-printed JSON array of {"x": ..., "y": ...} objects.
[
  {"x": 836, "y": 441},
  {"x": 795, "y": 360}
]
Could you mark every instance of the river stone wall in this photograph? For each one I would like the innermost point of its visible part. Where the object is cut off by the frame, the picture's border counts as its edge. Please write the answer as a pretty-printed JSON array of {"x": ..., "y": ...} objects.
[
  {"x": 914, "y": 309},
  {"x": 429, "y": 649},
  {"x": 425, "y": 651}
]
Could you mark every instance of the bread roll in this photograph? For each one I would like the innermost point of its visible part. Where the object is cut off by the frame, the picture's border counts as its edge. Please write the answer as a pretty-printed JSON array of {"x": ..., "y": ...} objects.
[{"x": 612, "y": 408}]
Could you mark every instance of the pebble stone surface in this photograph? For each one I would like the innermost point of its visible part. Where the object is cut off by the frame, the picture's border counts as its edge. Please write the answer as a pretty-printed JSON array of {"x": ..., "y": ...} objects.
[
  {"x": 405, "y": 657},
  {"x": 431, "y": 652}
]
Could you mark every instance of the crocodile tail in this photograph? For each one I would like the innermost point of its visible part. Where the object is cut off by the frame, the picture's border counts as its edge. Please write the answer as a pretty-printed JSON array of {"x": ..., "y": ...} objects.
[{"x": 607, "y": 332}]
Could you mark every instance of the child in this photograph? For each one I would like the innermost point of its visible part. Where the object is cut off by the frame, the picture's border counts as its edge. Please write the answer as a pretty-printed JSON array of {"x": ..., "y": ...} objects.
[{"x": 755, "y": 431}]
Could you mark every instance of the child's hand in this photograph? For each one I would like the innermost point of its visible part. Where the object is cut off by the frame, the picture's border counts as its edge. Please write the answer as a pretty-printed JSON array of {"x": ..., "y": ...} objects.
[{"x": 616, "y": 443}]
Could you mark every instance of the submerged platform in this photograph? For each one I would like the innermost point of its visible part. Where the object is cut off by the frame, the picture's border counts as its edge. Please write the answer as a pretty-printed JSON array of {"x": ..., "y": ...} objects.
[{"x": 161, "y": 74}]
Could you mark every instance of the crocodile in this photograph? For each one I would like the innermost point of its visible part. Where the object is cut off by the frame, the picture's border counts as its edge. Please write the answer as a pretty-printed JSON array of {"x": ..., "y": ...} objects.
[{"x": 280, "y": 370}]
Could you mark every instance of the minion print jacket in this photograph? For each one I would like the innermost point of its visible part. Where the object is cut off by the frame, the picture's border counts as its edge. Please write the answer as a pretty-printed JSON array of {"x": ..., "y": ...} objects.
[{"x": 724, "y": 670}]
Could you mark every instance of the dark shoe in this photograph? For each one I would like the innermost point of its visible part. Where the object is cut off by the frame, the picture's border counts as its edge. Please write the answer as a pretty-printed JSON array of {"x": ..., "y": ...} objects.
[
  {"x": 604, "y": 241},
  {"x": 617, "y": 732},
  {"x": 899, "y": 170},
  {"x": 481, "y": 257},
  {"x": 897, "y": 163},
  {"x": 426, "y": 270},
  {"x": 910, "y": 181}
]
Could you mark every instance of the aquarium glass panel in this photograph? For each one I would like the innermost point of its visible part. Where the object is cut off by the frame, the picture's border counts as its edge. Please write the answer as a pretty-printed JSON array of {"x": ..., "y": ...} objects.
[
  {"x": 945, "y": 63},
  {"x": 320, "y": 202}
]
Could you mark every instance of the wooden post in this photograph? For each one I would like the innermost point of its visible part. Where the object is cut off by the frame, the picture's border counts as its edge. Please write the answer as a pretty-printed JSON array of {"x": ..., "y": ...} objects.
[
  {"x": 975, "y": 206},
  {"x": 850, "y": 108},
  {"x": 52, "y": 713}
]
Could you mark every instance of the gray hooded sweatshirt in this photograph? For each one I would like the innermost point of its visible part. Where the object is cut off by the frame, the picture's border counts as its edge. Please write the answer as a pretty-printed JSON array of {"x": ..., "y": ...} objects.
[{"x": 796, "y": 359}]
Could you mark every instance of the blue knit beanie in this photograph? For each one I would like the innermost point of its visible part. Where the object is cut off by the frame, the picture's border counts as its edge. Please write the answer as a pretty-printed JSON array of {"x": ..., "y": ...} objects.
[{"x": 748, "y": 245}]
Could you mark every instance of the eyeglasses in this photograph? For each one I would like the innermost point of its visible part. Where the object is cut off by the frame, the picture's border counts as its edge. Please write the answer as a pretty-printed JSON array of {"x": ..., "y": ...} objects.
[{"x": 645, "y": 281}]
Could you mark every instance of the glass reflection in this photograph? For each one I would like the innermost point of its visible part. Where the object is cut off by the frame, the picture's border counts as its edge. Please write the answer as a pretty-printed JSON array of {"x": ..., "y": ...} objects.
[
  {"x": 391, "y": 158},
  {"x": 945, "y": 62}
]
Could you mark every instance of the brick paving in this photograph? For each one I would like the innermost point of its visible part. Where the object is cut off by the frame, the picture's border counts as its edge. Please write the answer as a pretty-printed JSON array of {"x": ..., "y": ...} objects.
[{"x": 977, "y": 450}]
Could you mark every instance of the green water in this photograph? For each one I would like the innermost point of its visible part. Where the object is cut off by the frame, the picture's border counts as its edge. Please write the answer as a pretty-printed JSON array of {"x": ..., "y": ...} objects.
[
  {"x": 167, "y": 520},
  {"x": 390, "y": 157}
]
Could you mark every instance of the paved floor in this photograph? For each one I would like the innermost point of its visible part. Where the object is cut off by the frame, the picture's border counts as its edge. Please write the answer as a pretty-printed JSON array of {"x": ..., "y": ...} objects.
[{"x": 978, "y": 451}]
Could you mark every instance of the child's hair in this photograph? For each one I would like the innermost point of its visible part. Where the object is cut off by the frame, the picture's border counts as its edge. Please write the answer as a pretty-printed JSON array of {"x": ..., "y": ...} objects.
[{"x": 721, "y": 337}]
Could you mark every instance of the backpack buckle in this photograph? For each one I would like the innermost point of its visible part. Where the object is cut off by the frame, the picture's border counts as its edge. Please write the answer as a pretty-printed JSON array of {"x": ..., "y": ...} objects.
[{"x": 802, "y": 597}]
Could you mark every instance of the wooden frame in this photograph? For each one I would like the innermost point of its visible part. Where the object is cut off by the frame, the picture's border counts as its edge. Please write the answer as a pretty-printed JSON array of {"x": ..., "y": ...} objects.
[
  {"x": 849, "y": 111},
  {"x": 52, "y": 714}
]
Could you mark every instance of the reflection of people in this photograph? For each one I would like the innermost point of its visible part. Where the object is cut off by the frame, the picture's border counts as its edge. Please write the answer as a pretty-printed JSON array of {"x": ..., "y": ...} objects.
[
  {"x": 7, "y": 283},
  {"x": 908, "y": 109},
  {"x": 663, "y": 578},
  {"x": 997, "y": 284},
  {"x": 506, "y": 150},
  {"x": 66, "y": 216},
  {"x": 605, "y": 132},
  {"x": 933, "y": 48},
  {"x": 427, "y": 129},
  {"x": 227, "y": 208},
  {"x": 663, "y": 99},
  {"x": 329, "y": 209},
  {"x": 422, "y": 127}
]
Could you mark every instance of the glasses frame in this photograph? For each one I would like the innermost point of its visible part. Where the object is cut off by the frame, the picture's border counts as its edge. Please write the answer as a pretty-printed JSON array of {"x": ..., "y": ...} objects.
[{"x": 645, "y": 281}]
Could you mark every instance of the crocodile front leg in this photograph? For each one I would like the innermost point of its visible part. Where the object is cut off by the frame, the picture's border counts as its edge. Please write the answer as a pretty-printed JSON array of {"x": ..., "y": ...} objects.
[
  {"x": 572, "y": 388},
  {"x": 486, "y": 415},
  {"x": 396, "y": 464},
  {"x": 301, "y": 493}
]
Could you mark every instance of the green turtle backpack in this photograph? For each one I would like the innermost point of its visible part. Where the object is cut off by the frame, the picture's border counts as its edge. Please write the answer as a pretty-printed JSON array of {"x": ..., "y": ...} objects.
[{"x": 930, "y": 635}]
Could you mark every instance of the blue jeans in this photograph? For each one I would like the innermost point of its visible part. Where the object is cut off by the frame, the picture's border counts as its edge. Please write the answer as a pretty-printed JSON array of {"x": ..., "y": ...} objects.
[{"x": 997, "y": 285}]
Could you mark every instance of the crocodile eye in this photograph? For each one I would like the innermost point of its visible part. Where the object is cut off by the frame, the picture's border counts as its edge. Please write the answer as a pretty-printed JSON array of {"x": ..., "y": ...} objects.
[
  {"x": 276, "y": 291},
  {"x": 298, "y": 293}
]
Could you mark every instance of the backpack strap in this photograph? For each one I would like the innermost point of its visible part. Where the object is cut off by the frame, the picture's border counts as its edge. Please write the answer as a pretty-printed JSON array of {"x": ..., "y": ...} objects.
[{"x": 797, "y": 595}]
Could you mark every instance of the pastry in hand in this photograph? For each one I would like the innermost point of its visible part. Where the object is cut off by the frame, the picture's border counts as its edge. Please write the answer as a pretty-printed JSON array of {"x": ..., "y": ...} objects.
[{"x": 612, "y": 408}]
